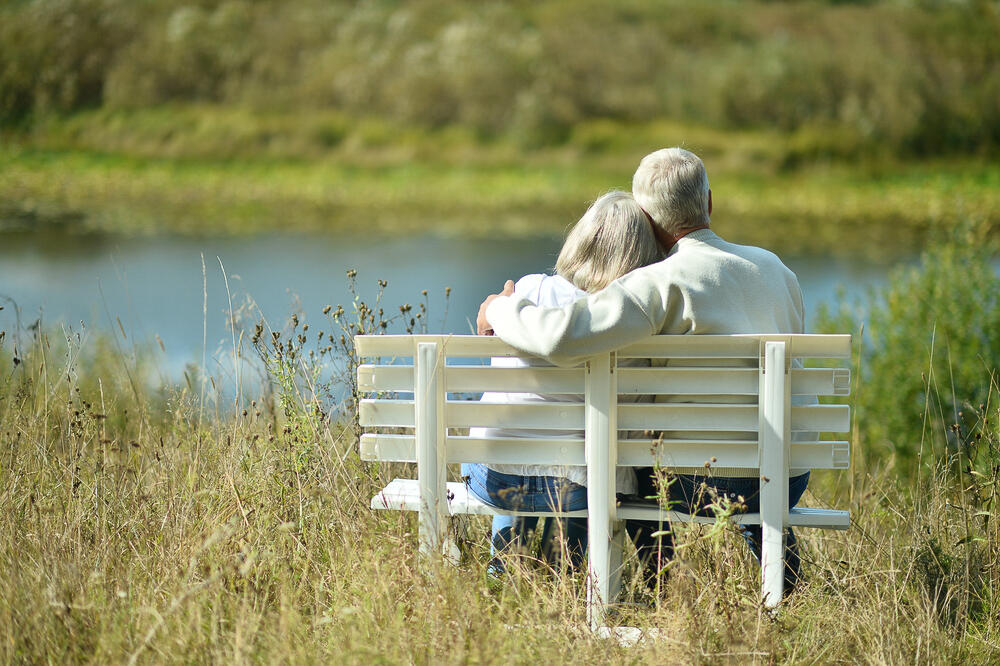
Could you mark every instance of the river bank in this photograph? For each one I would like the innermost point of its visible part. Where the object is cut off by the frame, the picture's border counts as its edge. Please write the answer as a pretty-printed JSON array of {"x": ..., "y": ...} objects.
[{"x": 196, "y": 171}]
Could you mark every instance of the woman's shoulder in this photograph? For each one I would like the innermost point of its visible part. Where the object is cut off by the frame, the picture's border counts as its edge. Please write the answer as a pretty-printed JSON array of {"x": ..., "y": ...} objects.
[{"x": 547, "y": 290}]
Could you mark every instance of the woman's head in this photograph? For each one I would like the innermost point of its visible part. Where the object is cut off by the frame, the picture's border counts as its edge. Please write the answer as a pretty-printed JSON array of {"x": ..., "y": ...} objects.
[{"x": 612, "y": 238}]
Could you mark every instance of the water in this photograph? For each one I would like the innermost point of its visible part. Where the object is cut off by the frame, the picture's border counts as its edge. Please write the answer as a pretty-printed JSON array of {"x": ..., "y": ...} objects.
[{"x": 156, "y": 286}]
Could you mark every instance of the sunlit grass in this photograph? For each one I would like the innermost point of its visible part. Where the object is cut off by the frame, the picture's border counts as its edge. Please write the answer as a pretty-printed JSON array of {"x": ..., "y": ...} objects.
[{"x": 141, "y": 525}]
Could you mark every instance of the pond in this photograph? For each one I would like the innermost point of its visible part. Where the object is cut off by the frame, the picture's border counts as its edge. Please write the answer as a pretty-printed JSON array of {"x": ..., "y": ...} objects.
[{"x": 154, "y": 290}]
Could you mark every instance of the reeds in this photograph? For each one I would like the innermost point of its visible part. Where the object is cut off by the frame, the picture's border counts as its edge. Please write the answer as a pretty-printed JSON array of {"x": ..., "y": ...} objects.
[{"x": 130, "y": 531}]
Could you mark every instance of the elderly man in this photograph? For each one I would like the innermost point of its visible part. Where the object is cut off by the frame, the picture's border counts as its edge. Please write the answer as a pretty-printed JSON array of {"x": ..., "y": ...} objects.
[{"x": 704, "y": 286}]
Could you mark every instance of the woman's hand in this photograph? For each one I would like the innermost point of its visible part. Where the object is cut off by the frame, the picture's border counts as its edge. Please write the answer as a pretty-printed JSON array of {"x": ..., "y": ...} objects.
[{"x": 482, "y": 326}]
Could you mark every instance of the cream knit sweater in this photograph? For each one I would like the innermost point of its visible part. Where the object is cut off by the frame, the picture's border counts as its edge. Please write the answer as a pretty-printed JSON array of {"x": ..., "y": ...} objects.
[{"x": 705, "y": 286}]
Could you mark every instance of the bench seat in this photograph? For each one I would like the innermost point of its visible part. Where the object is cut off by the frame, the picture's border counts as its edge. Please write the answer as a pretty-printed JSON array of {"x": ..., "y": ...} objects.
[{"x": 404, "y": 495}]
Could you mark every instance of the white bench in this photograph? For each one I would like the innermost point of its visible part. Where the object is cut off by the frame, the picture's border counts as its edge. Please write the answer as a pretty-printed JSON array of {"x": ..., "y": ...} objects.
[{"x": 726, "y": 397}]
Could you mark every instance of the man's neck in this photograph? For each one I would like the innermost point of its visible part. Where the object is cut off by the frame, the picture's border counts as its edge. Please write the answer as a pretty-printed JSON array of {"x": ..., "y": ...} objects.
[{"x": 668, "y": 240}]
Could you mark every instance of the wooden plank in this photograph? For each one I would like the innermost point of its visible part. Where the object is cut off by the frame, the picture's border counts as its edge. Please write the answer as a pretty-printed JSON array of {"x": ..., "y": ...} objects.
[
  {"x": 385, "y": 378},
  {"x": 693, "y": 346},
  {"x": 775, "y": 437},
  {"x": 797, "y": 516},
  {"x": 476, "y": 379},
  {"x": 687, "y": 381},
  {"x": 687, "y": 416},
  {"x": 470, "y": 413},
  {"x": 404, "y": 495},
  {"x": 397, "y": 346},
  {"x": 537, "y": 379},
  {"x": 569, "y": 416},
  {"x": 631, "y": 381},
  {"x": 462, "y": 449},
  {"x": 631, "y": 452},
  {"x": 727, "y": 453},
  {"x": 737, "y": 346},
  {"x": 821, "y": 418},
  {"x": 821, "y": 381},
  {"x": 540, "y": 415},
  {"x": 660, "y": 346},
  {"x": 386, "y": 413}
]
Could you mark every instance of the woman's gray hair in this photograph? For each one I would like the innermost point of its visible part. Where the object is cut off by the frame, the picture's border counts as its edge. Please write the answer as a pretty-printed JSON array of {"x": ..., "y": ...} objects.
[
  {"x": 612, "y": 238},
  {"x": 672, "y": 186}
]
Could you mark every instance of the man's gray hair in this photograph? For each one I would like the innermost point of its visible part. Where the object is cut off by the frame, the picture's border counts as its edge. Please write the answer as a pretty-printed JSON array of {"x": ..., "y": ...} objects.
[
  {"x": 672, "y": 186},
  {"x": 612, "y": 238}
]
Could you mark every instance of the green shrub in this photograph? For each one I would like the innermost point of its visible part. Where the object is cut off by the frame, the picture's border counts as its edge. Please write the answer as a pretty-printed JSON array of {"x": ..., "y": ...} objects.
[
  {"x": 930, "y": 357},
  {"x": 916, "y": 78}
]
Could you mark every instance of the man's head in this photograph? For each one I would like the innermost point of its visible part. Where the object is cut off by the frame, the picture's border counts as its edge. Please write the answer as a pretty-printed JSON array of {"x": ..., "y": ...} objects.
[{"x": 672, "y": 186}]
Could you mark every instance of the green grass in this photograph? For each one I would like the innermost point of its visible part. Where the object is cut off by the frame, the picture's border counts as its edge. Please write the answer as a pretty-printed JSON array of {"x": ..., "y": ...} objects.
[{"x": 217, "y": 170}]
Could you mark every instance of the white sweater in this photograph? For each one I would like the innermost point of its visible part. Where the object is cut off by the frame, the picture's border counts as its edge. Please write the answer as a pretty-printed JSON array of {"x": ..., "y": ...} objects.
[
  {"x": 544, "y": 290},
  {"x": 705, "y": 286}
]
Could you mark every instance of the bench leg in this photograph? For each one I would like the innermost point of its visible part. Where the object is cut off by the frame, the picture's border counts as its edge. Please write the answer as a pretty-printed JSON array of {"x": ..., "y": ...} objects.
[
  {"x": 772, "y": 564},
  {"x": 775, "y": 426},
  {"x": 617, "y": 556}
]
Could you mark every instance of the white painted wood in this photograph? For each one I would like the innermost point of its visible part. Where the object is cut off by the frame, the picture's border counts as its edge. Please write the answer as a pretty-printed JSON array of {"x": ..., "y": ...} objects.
[
  {"x": 709, "y": 381},
  {"x": 458, "y": 346},
  {"x": 775, "y": 435},
  {"x": 686, "y": 416},
  {"x": 687, "y": 381},
  {"x": 534, "y": 415},
  {"x": 534, "y": 379},
  {"x": 601, "y": 399},
  {"x": 737, "y": 346},
  {"x": 821, "y": 418},
  {"x": 476, "y": 379},
  {"x": 616, "y": 558},
  {"x": 404, "y": 495},
  {"x": 430, "y": 431},
  {"x": 470, "y": 413},
  {"x": 757, "y": 436},
  {"x": 631, "y": 452},
  {"x": 641, "y": 381},
  {"x": 569, "y": 416},
  {"x": 661, "y": 346},
  {"x": 727, "y": 453}
]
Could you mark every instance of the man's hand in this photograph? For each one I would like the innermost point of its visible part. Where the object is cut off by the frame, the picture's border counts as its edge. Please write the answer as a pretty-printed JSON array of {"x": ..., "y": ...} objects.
[{"x": 482, "y": 326}]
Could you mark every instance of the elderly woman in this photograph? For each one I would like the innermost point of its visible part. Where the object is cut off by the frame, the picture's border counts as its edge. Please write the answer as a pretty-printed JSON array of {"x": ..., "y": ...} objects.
[{"x": 613, "y": 237}]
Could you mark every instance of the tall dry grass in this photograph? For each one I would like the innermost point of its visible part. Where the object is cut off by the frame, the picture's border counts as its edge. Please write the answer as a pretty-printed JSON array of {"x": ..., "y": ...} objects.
[{"x": 138, "y": 525}]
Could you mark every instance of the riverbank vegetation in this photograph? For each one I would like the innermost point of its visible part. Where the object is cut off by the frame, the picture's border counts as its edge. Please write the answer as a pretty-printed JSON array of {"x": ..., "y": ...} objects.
[
  {"x": 153, "y": 524},
  {"x": 911, "y": 78},
  {"x": 209, "y": 169},
  {"x": 831, "y": 126}
]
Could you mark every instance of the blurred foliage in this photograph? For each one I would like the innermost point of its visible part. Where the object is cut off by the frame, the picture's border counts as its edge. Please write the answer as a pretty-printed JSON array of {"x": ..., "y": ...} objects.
[
  {"x": 930, "y": 357},
  {"x": 918, "y": 77}
]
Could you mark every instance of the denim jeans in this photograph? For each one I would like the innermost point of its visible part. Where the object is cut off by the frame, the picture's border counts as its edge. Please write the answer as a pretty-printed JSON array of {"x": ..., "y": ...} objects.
[
  {"x": 530, "y": 493},
  {"x": 686, "y": 494}
]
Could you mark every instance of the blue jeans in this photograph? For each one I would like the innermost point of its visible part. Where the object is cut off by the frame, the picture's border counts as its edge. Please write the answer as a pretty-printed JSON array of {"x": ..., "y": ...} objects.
[
  {"x": 686, "y": 494},
  {"x": 530, "y": 493}
]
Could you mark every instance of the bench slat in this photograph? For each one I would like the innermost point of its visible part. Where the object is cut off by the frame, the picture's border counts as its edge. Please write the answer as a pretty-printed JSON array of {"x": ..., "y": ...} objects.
[
  {"x": 569, "y": 416},
  {"x": 631, "y": 452},
  {"x": 737, "y": 346},
  {"x": 404, "y": 495},
  {"x": 662, "y": 346},
  {"x": 635, "y": 381},
  {"x": 476, "y": 379}
]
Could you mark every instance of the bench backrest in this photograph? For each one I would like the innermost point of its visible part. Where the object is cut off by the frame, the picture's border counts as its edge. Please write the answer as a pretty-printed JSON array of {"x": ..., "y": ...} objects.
[
  {"x": 706, "y": 389},
  {"x": 727, "y": 398}
]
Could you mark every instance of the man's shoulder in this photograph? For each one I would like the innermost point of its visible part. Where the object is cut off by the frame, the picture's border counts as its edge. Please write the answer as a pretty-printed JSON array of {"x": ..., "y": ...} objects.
[{"x": 757, "y": 255}]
